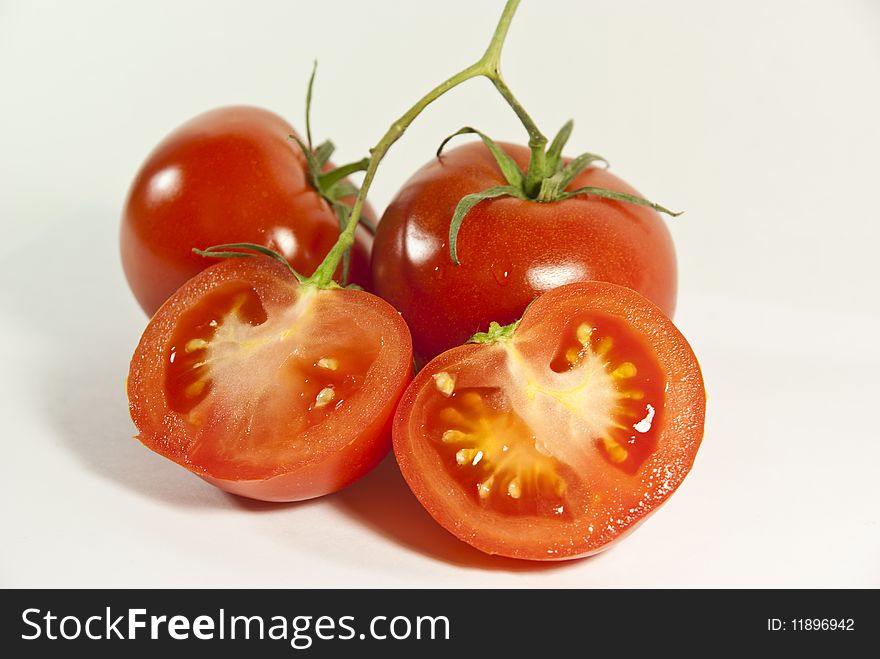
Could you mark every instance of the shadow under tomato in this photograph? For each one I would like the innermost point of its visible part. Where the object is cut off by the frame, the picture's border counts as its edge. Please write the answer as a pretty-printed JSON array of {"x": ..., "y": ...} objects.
[
  {"x": 382, "y": 501},
  {"x": 257, "y": 507},
  {"x": 80, "y": 313}
]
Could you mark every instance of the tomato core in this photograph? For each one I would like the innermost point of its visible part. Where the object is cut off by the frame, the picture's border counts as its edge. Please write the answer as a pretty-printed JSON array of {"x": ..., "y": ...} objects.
[{"x": 638, "y": 380}]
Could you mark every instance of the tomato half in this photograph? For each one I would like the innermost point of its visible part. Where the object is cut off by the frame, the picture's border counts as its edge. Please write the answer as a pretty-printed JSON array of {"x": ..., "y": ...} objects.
[
  {"x": 510, "y": 250},
  {"x": 268, "y": 388},
  {"x": 230, "y": 175},
  {"x": 558, "y": 440}
]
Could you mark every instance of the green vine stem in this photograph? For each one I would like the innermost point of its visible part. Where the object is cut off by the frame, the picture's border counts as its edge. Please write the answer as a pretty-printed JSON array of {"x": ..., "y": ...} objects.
[
  {"x": 537, "y": 140},
  {"x": 488, "y": 66}
]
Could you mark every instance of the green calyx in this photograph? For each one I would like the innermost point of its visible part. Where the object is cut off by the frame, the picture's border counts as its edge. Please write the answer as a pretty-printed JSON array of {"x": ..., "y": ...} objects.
[
  {"x": 245, "y": 250},
  {"x": 497, "y": 333},
  {"x": 546, "y": 180}
]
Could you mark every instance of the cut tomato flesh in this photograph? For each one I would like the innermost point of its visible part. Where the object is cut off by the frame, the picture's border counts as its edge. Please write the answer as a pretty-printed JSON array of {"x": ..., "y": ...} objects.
[
  {"x": 490, "y": 450},
  {"x": 556, "y": 437},
  {"x": 258, "y": 383},
  {"x": 617, "y": 397},
  {"x": 187, "y": 378},
  {"x": 544, "y": 437},
  {"x": 266, "y": 387}
]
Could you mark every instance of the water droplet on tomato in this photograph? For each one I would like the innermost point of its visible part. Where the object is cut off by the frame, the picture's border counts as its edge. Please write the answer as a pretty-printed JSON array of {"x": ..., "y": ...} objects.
[{"x": 501, "y": 272}]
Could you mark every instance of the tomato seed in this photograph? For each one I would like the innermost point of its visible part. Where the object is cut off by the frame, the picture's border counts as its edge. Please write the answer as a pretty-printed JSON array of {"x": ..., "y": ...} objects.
[
  {"x": 445, "y": 383},
  {"x": 329, "y": 363},
  {"x": 324, "y": 397}
]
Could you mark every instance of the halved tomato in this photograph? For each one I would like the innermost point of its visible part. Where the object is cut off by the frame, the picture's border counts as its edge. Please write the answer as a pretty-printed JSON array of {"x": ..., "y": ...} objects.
[
  {"x": 554, "y": 438},
  {"x": 268, "y": 388}
]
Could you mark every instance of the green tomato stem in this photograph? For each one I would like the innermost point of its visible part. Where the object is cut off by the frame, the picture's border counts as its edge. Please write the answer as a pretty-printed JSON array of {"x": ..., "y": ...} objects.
[
  {"x": 537, "y": 140},
  {"x": 487, "y": 66}
]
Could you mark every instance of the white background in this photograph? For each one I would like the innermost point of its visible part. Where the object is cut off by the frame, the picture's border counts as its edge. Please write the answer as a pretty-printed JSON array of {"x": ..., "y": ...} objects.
[{"x": 759, "y": 119}]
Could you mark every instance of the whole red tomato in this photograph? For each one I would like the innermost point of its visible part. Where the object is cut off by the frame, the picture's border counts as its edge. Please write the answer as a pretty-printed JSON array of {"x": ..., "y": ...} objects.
[
  {"x": 230, "y": 175},
  {"x": 510, "y": 249}
]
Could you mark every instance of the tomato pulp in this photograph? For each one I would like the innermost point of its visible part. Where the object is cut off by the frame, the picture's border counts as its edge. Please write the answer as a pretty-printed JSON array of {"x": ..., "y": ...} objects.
[
  {"x": 556, "y": 440},
  {"x": 510, "y": 250},
  {"x": 268, "y": 388},
  {"x": 230, "y": 175}
]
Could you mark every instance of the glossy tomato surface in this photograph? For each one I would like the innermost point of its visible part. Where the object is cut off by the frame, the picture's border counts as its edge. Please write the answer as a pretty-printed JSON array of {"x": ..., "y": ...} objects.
[
  {"x": 510, "y": 250},
  {"x": 268, "y": 388},
  {"x": 230, "y": 175},
  {"x": 557, "y": 441}
]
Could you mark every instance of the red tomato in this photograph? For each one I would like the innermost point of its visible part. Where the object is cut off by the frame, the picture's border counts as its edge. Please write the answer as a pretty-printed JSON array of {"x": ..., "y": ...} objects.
[
  {"x": 268, "y": 388},
  {"x": 510, "y": 250},
  {"x": 230, "y": 175},
  {"x": 558, "y": 440}
]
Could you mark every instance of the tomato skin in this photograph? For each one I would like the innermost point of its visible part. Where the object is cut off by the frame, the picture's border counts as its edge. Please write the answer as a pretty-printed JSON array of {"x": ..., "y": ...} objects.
[
  {"x": 342, "y": 449},
  {"x": 229, "y": 175},
  {"x": 634, "y": 497},
  {"x": 510, "y": 250}
]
